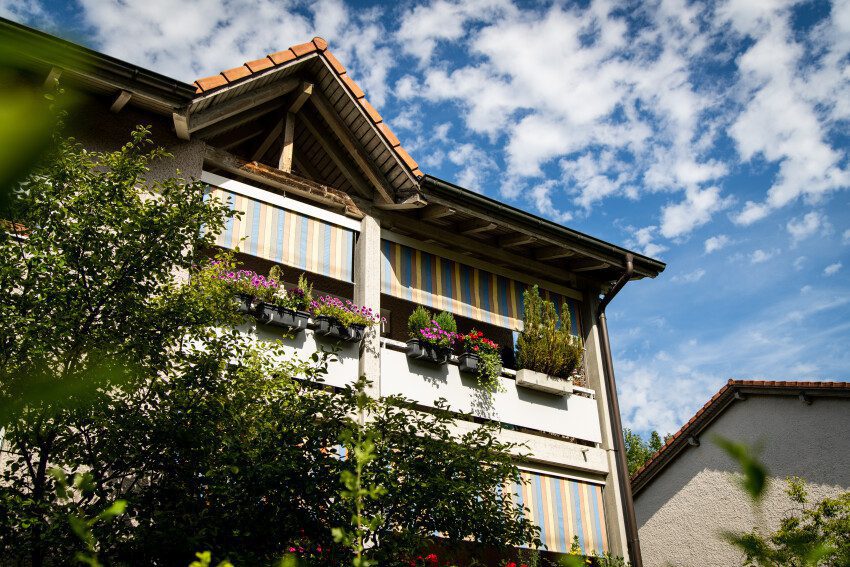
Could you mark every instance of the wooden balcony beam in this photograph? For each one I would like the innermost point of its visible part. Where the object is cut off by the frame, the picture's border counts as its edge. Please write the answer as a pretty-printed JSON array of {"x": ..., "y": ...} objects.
[
  {"x": 476, "y": 226},
  {"x": 553, "y": 253},
  {"x": 434, "y": 212},
  {"x": 516, "y": 240}
]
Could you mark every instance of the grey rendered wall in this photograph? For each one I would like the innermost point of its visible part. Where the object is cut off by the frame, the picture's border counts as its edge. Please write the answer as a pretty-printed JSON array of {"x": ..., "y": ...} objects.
[
  {"x": 96, "y": 128},
  {"x": 681, "y": 512}
]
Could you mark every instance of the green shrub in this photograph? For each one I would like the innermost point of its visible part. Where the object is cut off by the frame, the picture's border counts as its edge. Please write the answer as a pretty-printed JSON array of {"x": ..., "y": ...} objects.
[
  {"x": 545, "y": 343},
  {"x": 446, "y": 321},
  {"x": 418, "y": 320}
]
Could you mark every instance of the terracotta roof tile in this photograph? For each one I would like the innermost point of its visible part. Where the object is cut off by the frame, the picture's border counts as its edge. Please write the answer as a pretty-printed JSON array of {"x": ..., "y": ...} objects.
[
  {"x": 281, "y": 57},
  {"x": 209, "y": 83},
  {"x": 411, "y": 163},
  {"x": 388, "y": 134},
  {"x": 355, "y": 89},
  {"x": 258, "y": 65},
  {"x": 370, "y": 110},
  {"x": 335, "y": 64},
  {"x": 320, "y": 43},
  {"x": 236, "y": 73},
  {"x": 303, "y": 49}
]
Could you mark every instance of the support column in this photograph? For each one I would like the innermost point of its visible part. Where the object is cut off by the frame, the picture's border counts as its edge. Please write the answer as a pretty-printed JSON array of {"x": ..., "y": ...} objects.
[
  {"x": 612, "y": 499},
  {"x": 367, "y": 291}
]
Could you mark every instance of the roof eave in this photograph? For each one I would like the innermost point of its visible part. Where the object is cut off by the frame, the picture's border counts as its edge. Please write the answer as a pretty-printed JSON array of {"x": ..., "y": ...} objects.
[{"x": 644, "y": 266}]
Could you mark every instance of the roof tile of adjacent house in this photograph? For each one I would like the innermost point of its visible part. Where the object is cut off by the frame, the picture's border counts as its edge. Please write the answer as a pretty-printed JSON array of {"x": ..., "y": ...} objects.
[
  {"x": 208, "y": 84},
  {"x": 714, "y": 406}
]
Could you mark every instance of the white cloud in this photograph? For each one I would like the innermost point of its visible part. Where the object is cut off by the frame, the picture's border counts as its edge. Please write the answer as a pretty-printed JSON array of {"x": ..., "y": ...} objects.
[
  {"x": 799, "y": 261},
  {"x": 475, "y": 165},
  {"x": 695, "y": 211},
  {"x": 800, "y": 229},
  {"x": 690, "y": 277},
  {"x": 832, "y": 269},
  {"x": 30, "y": 11},
  {"x": 715, "y": 243},
  {"x": 845, "y": 238},
  {"x": 643, "y": 241},
  {"x": 760, "y": 256}
]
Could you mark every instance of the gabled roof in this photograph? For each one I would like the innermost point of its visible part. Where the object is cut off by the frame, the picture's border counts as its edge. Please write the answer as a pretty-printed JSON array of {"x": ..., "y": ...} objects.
[
  {"x": 734, "y": 390},
  {"x": 340, "y": 91}
]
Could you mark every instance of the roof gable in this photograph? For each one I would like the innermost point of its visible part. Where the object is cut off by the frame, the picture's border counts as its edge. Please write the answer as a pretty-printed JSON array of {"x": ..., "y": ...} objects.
[{"x": 338, "y": 110}]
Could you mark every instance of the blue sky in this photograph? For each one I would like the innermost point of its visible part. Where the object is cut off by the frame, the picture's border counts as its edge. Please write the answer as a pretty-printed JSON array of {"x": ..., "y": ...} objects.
[{"x": 711, "y": 135}]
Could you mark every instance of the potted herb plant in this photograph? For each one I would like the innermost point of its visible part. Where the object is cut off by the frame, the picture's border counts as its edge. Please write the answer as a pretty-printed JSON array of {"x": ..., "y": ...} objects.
[
  {"x": 481, "y": 357},
  {"x": 283, "y": 307},
  {"x": 547, "y": 354},
  {"x": 342, "y": 319},
  {"x": 431, "y": 338}
]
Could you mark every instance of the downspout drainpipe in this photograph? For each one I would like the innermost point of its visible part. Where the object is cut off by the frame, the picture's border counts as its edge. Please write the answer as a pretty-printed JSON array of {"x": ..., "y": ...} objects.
[{"x": 616, "y": 421}]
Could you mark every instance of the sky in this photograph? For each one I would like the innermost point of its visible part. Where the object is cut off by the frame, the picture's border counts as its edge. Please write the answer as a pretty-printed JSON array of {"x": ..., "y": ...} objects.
[{"x": 713, "y": 136}]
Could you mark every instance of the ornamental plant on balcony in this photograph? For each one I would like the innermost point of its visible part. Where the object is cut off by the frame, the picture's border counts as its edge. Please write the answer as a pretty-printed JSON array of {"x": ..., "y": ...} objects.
[
  {"x": 343, "y": 319},
  {"x": 545, "y": 346},
  {"x": 481, "y": 357},
  {"x": 298, "y": 298},
  {"x": 431, "y": 338}
]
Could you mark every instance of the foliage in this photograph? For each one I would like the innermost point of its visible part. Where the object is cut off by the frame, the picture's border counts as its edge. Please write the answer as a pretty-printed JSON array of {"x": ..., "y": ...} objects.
[
  {"x": 810, "y": 535},
  {"x": 446, "y": 321},
  {"x": 419, "y": 319},
  {"x": 638, "y": 451},
  {"x": 489, "y": 359},
  {"x": 346, "y": 312},
  {"x": 545, "y": 343}
]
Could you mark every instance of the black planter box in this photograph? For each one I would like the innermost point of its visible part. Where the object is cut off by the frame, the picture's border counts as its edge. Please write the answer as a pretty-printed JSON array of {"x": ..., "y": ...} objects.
[
  {"x": 282, "y": 317},
  {"x": 331, "y": 327},
  {"x": 246, "y": 303},
  {"x": 418, "y": 350},
  {"x": 468, "y": 362}
]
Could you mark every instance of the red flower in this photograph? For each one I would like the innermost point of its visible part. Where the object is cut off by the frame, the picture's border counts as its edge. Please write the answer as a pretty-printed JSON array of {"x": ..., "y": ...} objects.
[{"x": 511, "y": 564}]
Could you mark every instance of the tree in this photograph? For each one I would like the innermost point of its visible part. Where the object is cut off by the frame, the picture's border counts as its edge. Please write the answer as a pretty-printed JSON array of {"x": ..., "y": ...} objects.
[
  {"x": 118, "y": 373},
  {"x": 638, "y": 451}
]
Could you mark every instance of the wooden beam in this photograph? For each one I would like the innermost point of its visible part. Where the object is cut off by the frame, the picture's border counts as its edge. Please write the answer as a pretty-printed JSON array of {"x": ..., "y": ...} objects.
[
  {"x": 434, "y": 212},
  {"x": 358, "y": 155},
  {"x": 238, "y": 141},
  {"x": 236, "y": 121},
  {"x": 415, "y": 201},
  {"x": 516, "y": 240},
  {"x": 181, "y": 125},
  {"x": 231, "y": 107},
  {"x": 553, "y": 253},
  {"x": 285, "y": 161},
  {"x": 307, "y": 168},
  {"x": 304, "y": 93},
  {"x": 350, "y": 175},
  {"x": 459, "y": 242},
  {"x": 52, "y": 77},
  {"x": 328, "y": 196},
  {"x": 121, "y": 99},
  {"x": 475, "y": 226},
  {"x": 274, "y": 134}
]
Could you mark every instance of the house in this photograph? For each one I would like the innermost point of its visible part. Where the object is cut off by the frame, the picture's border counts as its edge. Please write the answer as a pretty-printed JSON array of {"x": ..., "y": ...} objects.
[
  {"x": 327, "y": 189},
  {"x": 688, "y": 492}
]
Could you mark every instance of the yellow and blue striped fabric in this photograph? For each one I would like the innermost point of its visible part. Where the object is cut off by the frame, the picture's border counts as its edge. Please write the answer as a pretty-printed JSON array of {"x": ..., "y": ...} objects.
[
  {"x": 564, "y": 508},
  {"x": 447, "y": 285},
  {"x": 287, "y": 237}
]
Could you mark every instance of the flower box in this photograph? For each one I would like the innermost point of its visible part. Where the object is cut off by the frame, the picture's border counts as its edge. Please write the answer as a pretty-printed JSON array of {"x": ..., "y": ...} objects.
[
  {"x": 420, "y": 350},
  {"x": 543, "y": 382},
  {"x": 277, "y": 316},
  {"x": 330, "y": 327},
  {"x": 246, "y": 303}
]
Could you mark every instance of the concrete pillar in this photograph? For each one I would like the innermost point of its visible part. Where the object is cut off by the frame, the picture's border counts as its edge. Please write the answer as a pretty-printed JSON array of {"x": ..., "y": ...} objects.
[
  {"x": 367, "y": 291},
  {"x": 612, "y": 499}
]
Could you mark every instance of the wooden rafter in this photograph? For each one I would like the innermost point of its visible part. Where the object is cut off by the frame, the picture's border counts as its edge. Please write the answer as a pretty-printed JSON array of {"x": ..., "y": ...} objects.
[
  {"x": 239, "y": 120},
  {"x": 301, "y": 96},
  {"x": 553, "y": 253},
  {"x": 358, "y": 155},
  {"x": 516, "y": 240},
  {"x": 338, "y": 159},
  {"x": 434, "y": 212},
  {"x": 121, "y": 99},
  {"x": 588, "y": 265},
  {"x": 233, "y": 106},
  {"x": 475, "y": 226}
]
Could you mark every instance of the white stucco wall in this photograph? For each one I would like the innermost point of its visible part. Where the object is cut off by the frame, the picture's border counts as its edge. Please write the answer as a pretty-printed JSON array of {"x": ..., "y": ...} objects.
[{"x": 682, "y": 511}]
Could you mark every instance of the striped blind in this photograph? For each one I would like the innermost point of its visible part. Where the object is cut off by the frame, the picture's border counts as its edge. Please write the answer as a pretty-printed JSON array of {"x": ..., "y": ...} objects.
[
  {"x": 464, "y": 290},
  {"x": 287, "y": 237},
  {"x": 564, "y": 508}
]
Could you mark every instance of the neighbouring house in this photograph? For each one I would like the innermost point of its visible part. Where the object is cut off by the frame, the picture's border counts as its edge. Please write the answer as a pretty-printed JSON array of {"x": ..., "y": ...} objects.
[
  {"x": 328, "y": 190},
  {"x": 688, "y": 492}
]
